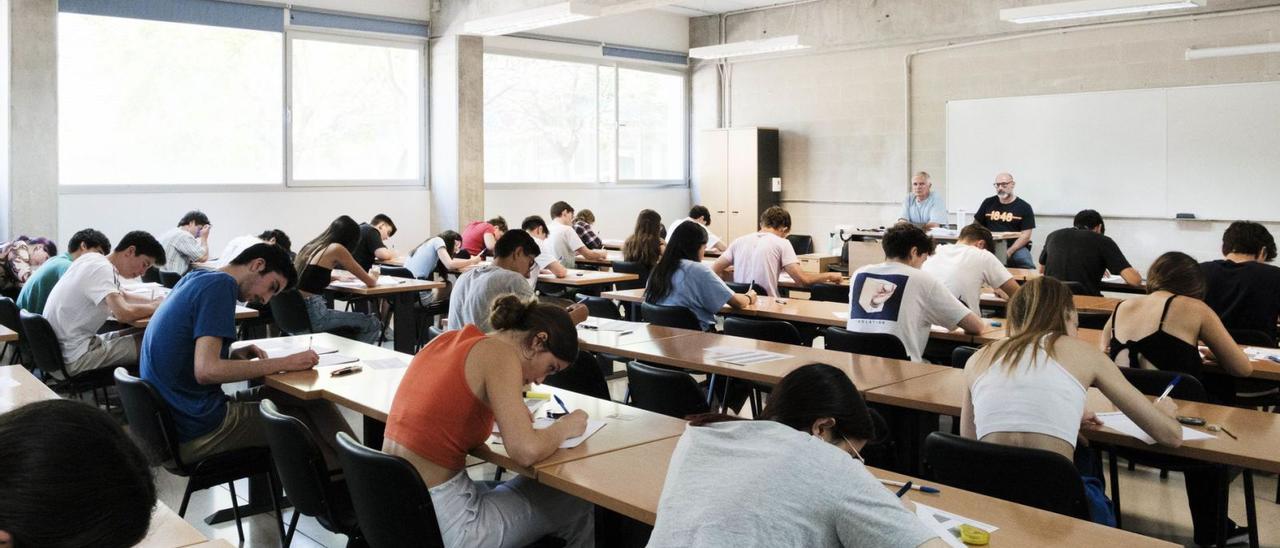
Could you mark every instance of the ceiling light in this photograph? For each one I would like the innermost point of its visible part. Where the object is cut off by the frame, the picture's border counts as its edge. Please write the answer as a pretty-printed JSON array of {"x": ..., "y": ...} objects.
[
  {"x": 1092, "y": 8},
  {"x": 1231, "y": 51},
  {"x": 524, "y": 20},
  {"x": 749, "y": 47}
]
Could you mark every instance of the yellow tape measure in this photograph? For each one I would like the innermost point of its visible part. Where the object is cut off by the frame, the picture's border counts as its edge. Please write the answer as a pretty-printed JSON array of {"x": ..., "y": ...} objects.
[{"x": 974, "y": 536}]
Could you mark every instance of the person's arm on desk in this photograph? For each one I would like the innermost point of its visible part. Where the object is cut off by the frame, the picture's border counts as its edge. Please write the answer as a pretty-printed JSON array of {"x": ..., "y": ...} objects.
[
  {"x": 1156, "y": 419},
  {"x": 722, "y": 262},
  {"x": 557, "y": 269},
  {"x": 972, "y": 324},
  {"x": 1131, "y": 276},
  {"x": 344, "y": 259},
  {"x": 503, "y": 384},
  {"x": 809, "y": 278},
  {"x": 740, "y": 301},
  {"x": 1215, "y": 335},
  {"x": 211, "y": 368},
  {"x": 1024, "y": 238},
  {"x": 128, "y": 311}
]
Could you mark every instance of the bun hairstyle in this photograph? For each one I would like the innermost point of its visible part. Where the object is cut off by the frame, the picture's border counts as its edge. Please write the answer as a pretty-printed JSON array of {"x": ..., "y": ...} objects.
[{"x": 510, "y": 312}]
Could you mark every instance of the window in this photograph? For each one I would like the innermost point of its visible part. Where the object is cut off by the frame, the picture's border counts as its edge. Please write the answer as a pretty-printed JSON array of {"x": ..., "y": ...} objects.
[{"x": 557, "y": 121}]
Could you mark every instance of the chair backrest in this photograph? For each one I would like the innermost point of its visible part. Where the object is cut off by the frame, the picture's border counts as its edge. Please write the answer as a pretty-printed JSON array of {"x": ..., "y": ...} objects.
[
  {"x": 42, "y": 342},
  {"x": 631, "y": 267},
  {"x": 391, "y": 501},
  {"x": 10, "y": 317},
  {"x": 832, "y": 293},
  {"x": 290, "y": 312},
  {"x": 1251, "y": 337},
  {"x": 802, "y": 243},
  {"x": 151, "y": 276},
  {"x": 601, "y": 307},
  {"x": 1152, "y": 382},
  {"x": 432, "y": 333},
  {"x": 884, "y": 345},
  {"x": 669, "y": 316},
  {"x": 1093, "y": 320},
  {"x": 763, "y": 330},
  {"x": 169, "y": 279},
  {"x": 1033, "y": 477},
  {"x": 582, "y": 376},
  {"x": 149, "y": 419},
  {"x": 298, "y": 460},
  {"x": 742, "y": 288},
  {"x": 664, "y": 391},
  {"x": 960, "y": 355}
]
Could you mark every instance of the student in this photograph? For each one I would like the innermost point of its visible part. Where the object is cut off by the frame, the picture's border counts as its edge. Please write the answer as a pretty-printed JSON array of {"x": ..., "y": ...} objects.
[
  {"x": 451, "y": 395},
  {"x": 922, "y": 207},
  {"x": 785, "y": 479},
  {"x": 1241, "y": 287},
  {"x": 476, "y": 289},
  {"x": 680, "y": 279},
  {"x": 371, "y": 247},
  {"x": 896, "y": 297},
  {"x": 36, "y": 291},
  {"x": 71, "y": 478},
  {"x": 20, "y": 258},
  {"x": 1082, "y": 253},
  {"x": 481, "y": 236},
  {"x": 315, "y": 264},
  {"x": 437, "y": 255},
  {"x": 1006, "y": 212},
  {"x": 546, "y": 260},
  {"x": 644, "y": 245},
  {"x": 760, "y": 257},
  {"x": 564, "y": 239},
  {"x": 1029, "y": 390},
  {"x": 701, "y": 215},
  {"x": 89, "y": 292},
  {"x": 582, "y": 225},
  {"x": 187, "y": 243},
  {"x": 238, "y": 244},
  {"x": 968, "y": 265},
  {"x": 185, "y": 358}
]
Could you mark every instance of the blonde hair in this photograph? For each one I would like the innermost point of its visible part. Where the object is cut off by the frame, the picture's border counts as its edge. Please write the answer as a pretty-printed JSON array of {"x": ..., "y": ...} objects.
[{"x": 1039, "y": 309}]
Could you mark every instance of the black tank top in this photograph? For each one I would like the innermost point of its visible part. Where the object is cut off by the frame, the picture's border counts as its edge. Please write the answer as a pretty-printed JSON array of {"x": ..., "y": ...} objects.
[
  {"x": 314, "y": 278},
  {"x": 1164, "y": 351}
]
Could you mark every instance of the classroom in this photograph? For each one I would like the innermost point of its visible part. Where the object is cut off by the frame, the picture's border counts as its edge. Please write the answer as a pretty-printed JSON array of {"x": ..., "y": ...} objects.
[{"x": 629, "y": 273}]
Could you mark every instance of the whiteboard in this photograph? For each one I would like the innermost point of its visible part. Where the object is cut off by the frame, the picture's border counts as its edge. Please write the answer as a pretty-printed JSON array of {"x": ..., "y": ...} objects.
[{"x": 1208, "y": 150}]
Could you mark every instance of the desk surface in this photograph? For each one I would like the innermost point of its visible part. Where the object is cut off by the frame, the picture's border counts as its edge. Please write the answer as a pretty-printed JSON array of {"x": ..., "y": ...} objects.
[
  {"x": 579, "y": 278},
  {"x": 7, "y": 335},
  {"x": 879, "y": 233},
  {"x": 19, "y": 387},
  {"x": 401, "y": 285},
  {"x": 310, "y": 384},
  {"x": 242, "y": 313},
  {"x": 170, "y": 531},
  {"x": 1084, "y": 303}
]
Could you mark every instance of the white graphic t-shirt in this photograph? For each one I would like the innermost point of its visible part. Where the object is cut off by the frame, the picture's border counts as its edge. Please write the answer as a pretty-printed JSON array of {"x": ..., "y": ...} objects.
[{"x": 894, "y": 298}]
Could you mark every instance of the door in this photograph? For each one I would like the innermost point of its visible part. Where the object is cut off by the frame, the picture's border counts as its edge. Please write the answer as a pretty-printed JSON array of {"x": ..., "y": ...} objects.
[
  {"x": 713, "y": 154},
  {"x": 743, "y": 182}
]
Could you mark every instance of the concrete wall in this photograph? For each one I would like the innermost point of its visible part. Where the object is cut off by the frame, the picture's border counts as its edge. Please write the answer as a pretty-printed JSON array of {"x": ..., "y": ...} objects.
[
  {"x": 33, "y": 118},
  {"x": 843, "y": 110}
]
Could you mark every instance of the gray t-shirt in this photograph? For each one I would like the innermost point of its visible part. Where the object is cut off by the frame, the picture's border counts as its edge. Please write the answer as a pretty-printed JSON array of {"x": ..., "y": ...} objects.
[
  {"x": 760, "y": 483},
  {"x": 474, "y": 292}
]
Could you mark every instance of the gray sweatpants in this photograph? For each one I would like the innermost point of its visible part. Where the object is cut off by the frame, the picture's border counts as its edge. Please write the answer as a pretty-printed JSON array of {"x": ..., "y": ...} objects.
[{"x": 515, "y": 513}]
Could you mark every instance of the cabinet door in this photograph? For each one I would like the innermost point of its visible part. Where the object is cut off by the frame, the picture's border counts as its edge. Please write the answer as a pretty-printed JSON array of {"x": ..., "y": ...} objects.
[
  {"x": 743, "y": 182},
  {"x": 713, "y": 154}
]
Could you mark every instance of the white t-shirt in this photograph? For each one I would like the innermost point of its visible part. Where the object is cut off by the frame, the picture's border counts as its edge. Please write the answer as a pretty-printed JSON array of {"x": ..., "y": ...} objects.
[
  {"x": 964, "y": 269},
  {"x": 712, "y": 239},
  {"x": 77, "y": 306},
  {"x": 894, "y": 298},
  {"x": 565, "y": 243},
  {"x": 546, "y": 256},
  {"x": 235, "y": 247},
  {"x": 759, "y": 258}
]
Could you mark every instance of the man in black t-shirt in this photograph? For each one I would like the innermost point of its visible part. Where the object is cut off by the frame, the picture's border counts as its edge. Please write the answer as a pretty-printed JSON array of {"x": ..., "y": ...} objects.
[
  {"x": 1082, "y": 253},
  {"x": 371, "y": 246},
  {"x": 1005, "y": 212},
  {"x": 1241, "y": 287}
]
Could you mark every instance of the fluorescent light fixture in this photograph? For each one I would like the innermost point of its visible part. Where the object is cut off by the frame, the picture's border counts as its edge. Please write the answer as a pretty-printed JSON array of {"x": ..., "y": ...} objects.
[
  {"x": 1232, "y": 51},
  {"x": 535, "y": 18},
  {"x": 1092, "y": 8},
  {"x": 749, "y": 47}
]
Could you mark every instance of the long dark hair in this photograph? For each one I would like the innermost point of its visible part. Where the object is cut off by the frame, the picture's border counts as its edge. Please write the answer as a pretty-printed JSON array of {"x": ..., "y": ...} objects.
[
  {"x": 344, "y": 230},
  {"x": 807, "y": 394},
  {"x": 685, "y": 243},
  {"x": 1177, "y": 273},
  {"x": 644, "y": 245}
]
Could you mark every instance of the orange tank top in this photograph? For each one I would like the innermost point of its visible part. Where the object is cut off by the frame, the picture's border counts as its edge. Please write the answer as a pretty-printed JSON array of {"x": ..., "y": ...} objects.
[{"x": 434, "y": 413}]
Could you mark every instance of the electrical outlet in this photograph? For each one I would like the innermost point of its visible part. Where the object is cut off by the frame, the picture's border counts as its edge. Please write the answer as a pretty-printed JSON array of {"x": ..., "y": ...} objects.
[{"x": 777, "y": 184}]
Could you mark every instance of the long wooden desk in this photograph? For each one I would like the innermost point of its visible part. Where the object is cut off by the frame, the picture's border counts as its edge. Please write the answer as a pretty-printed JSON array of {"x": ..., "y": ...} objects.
[
  {"x": 7, "y": 335},
  {"x": 404, "y": 293},
  {"x": 170, "y": 531},
  {"x": 583, "y": 278},
  {"x": 1084, "y": 303},
  {"x": 19, "y": 387},
  {"x": 1001, "y": 239}
]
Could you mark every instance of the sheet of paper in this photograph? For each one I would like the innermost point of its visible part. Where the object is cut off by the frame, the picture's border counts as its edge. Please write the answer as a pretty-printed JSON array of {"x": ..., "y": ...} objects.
[
  {"x": 8, "y": 382},
  {"x": 593, "y": 426},
  {"x": 386, "y": 363},
  {"x": 335, "y": 359},
  {"x": 743, "y": 357},
  {"x": 1259, "y": 353},
  {"x": 605, "y": 324},
  {"x": 391, "y": 280},
  {"x": 1117, "y": 420},
  {"x": 352, "y": 284},
  {"x": 276, "y": 350},
  {"x": 1113, "y": 279},
  {"x": 534, "y": 404},
  {"x": 947, "y": 525},
  {"x": 841, "y": 315}
]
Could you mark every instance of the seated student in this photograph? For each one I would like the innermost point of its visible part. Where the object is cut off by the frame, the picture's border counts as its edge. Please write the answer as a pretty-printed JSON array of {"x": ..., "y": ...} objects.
[
  {"x": 20, "y": 258},
  {"x": 1029, "y": 390},
  {"x": 896, "y": 297},
  {"x": 967, "y": 265},
  {"x": 446, "y": 405},
  {"x": 760, "y": 257},
  {"x": 546, "y": 260},
  {"x": 187, "y": 243},
  {"x": 371, "y": 247},
  {"x": 71, "y": 478},
  {"x": 644, "y": 246},
  {"x": 238, "y": 244},
  {"x": 36, "y": 291},
  {"x": 564, "y": 239},
  {"x": 481, "y": 236},
  {"x": 582, "y": 224},
  {"x": 437, "y": 255},
  {"x": 701, "y": 215},
  {"x": 89, "y": 293},
  {"x": 185, "y": 358},
  {"x": 680, "y": 279},
  {"x": 315, "y": 264},
  {"x": 1082, "y": 253},
  {"x": 473, "y": 294},
  {"x": 1241, "y": 287},
  {"x": 786, "y": 478}
]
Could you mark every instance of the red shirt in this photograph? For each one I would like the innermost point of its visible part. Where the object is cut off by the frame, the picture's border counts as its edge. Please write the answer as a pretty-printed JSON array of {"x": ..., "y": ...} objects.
[{"x": 473, "y": 236}]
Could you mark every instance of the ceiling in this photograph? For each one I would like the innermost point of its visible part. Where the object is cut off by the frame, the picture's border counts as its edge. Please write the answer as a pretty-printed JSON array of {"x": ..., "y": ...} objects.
[{"x": 699, "y": 8}]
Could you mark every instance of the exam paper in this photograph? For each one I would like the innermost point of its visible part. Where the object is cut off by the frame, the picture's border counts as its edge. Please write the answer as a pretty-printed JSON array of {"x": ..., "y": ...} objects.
[
  {"x": 386, "y": 363},
  {"x": 276, "y": 350},
  {"x": 1117, "y": 420},
  {"x": 335, "y": 359},
  {"x": 605, "y": 324},
  {"x": 593, "y": 426},
  {"x": 947, "y": 525},
  {"x": 743, "y": 357}
]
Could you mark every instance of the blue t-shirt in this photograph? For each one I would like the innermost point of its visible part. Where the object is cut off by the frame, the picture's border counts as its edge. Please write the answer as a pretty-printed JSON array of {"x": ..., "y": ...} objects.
[
  {"x": 36, "y": 291},
  {"x": 203, "y": 304},
  {"x": 696, "y": 287},
  {"x": 424, "y": 259}
]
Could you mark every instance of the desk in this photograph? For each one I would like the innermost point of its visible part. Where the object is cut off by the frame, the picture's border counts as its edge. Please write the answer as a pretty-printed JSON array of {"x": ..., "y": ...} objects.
[
  {"x": 1108, "y": 283},
  {"x": 617, "y": 244},
  {"x": 170, "y": 531},
  {"x": 1084, "y": 303},
  {"x": 7, "y": 335},
  {"x": 242, "y": 313},
  {"x": 612, "y": 255},
  {"x": 19, "y": 387},
  {"x": 584, "y": 278},
  {"x": 404, "y": 293}
]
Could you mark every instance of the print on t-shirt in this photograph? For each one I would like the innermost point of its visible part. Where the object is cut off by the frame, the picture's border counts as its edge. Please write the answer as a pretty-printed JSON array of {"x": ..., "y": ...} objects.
[
  {"x": 879, "y": 296},
  {"x": 1003, "y": 216}
]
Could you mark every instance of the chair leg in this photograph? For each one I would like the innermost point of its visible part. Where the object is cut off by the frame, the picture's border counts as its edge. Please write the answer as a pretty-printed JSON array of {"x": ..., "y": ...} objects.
[
  {"x": 1250, "y": 511},
  {"x": 186, "y": 498},
  {"x": 1115, "y": 484},
  {"x": 1164, "y": 474},
  {"x": 293, "y": 526},
  {"x": 272, "y": 482},
  {"x": 235, "y": 510},
  {"x": 497, "y": 474}
]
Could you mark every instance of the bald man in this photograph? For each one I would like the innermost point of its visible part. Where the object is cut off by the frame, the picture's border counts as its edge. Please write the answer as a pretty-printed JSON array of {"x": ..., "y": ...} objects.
[
  {"x": 922, "y": 207},
  {"x": 1006, "y": 212}
]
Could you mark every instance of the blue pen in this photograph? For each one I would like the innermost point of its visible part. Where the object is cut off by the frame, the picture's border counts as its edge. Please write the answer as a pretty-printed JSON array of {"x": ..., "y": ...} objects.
[
  {"x": 1169, "y": 388},
  {"x": 560, "y": 402}
]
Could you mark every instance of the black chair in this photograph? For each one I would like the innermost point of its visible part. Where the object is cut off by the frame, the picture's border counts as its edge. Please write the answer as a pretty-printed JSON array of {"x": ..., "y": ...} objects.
[
  {"x": 960, "y": 355},
  {"x": 601, "y": 307},
  {"x": 672, "y": 393},
  {"x": 391, "y": 501},
  {"x": 583, "y": 376},
  {"x": 1093, "y": 320},
  {"x": 802, "y": 243},
  {"x": 46, "y": 355},
  {"x": 169, "y": 279},
  {"x": 669, "y": 316},
  {"x": 426, "y": 318},
  {"x": 832, "y": 293},
  {"x": 151, "y": 422},
  {"x": 630, "y": 267},
  {"x": 10, "y": 317},
  {"x": 1252, "y": 337},
  {"x": 870, "y": 344},
  {"x": 742, "y": 288},
  {"x": 151, "y": 276},
  {"x": 1005, "y": 472},
  {"x": 762, "y": 330},
  {"x": 306, "y": 478},
  {"x": 289, "y": 310}
]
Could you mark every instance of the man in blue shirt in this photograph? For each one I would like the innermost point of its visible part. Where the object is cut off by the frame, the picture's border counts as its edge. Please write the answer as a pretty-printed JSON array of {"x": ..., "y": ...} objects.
[
  {"x": 922, "y": 207},
  {"x": 36, "y": 291},
  {"x": 185, "y": 356}
]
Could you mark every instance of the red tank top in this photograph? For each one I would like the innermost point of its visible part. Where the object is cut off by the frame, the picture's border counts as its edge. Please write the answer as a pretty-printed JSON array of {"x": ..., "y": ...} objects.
[{"x": 434, "y": 413}]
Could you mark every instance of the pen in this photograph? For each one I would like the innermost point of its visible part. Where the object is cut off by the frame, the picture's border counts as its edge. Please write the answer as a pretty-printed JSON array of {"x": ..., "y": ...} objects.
[
  {"x": 921, "y": 488},
  {"x": 1169, "y": 388},
  {"x": 560, "y": 402},
  {"x": 310, "y": 340},
  {"x": 906, "y": 487}
]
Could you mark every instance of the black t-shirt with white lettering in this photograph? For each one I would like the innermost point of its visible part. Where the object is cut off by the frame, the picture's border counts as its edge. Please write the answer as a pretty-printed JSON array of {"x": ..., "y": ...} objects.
[
  {"x": 1014, "y": 216},
  {"x": 1245, "y": 295},
  {"x": 1079, "y": 255}
]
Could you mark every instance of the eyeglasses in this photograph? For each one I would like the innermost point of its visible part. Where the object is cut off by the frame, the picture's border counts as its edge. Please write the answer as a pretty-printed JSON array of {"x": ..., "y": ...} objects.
[{"x": 998, "y": 185}]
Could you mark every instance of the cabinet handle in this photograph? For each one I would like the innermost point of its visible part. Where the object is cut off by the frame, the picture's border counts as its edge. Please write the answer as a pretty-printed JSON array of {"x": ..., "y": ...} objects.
[
  {"x": 719, "y": 211},
  {"x": 735, "y": 212}
]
